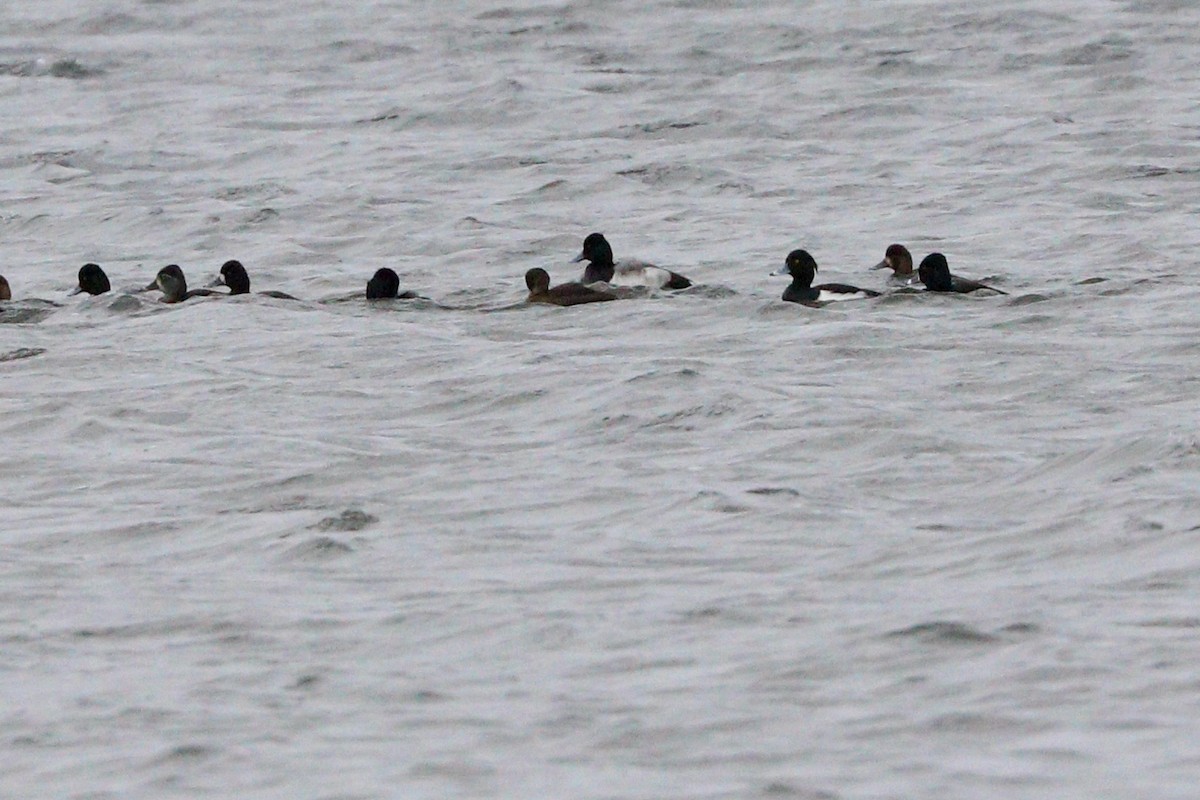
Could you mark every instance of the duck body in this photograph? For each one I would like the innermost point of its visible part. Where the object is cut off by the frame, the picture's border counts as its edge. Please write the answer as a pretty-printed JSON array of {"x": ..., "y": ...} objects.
[
  {"x": 537, "y": 280},
  {"x": 826, "y": 293},
  {"x": 802, "y": 267},
  {"x": 935, "y": 274},
  {"x": 602, "y": 268}
]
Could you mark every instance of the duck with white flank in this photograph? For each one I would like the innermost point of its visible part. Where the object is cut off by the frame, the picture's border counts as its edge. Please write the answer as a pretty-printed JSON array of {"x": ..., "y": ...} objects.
[
  {"x": 803, "y": 269},
  {"x": 601, "y": 267}
]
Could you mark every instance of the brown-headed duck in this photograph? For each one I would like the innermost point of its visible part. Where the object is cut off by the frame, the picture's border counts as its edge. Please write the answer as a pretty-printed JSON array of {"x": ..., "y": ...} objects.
[{"x": 565, "y": 294}]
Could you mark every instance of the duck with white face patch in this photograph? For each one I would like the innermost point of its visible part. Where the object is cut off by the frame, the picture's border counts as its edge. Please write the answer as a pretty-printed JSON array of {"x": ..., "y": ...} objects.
[{"x": 173, "y": 285}]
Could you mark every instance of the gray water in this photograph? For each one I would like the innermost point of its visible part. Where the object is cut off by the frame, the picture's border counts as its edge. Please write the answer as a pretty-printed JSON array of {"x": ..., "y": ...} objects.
[{"x": 694, "y": 545}]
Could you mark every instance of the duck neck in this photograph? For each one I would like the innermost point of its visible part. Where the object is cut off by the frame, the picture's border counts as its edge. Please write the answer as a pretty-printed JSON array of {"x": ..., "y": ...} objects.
[{"x": 601, "y": 269}]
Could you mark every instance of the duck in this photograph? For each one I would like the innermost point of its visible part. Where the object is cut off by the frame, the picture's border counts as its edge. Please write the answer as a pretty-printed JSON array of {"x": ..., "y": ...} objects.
[
  {"x": 935, "y": 274},
  {"x": 565, "y": 294},
  {"x": 173, "y": 285},
  {"x": 234, "y": 275},
  {"x": 601, "y": 267},
  {"x": 900, "y": 262},
  {"x": 385, "y": 285},
  {"x": 30, "y": 309},
  {"x": 92, "y": 280},
  {"x": 803, "y": 268}
]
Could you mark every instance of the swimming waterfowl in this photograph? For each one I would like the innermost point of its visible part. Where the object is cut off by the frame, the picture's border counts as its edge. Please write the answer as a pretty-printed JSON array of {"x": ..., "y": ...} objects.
[
  {"x": 5, "y": 290},
  {"x": 234, "y": 275},
  {"x": 92, "y": 280},
  {"x": 935, "y": 274},
  {"x": 900, "y": 262},
  {"x": 601, "y": 267},
  {"x": 385, "y": 285},
  {"x": 173, "y": 285},
  {"x": 565, "y": 294},
  {"x": 803, "y": 268}
]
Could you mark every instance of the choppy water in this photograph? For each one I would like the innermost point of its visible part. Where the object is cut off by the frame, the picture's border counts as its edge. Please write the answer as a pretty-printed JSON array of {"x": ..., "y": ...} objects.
[{"x": 704, "y": 545}]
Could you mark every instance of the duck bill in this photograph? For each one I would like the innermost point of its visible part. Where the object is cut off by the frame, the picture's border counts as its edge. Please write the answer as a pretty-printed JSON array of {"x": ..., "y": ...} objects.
[
  {"x": 214, "y": 283},
  {"x": 75, "y": 291},
  {"x": 781, "y": 271},
  {"x": 882, "y": 265},
  {"x": 578, "y": 258},
  {"x": 150, "y": 287}
]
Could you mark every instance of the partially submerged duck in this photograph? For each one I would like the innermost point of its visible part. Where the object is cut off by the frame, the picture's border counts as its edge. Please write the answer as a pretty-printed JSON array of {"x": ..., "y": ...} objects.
[
  {"x": 565, "y": 294},
  {"x": 385, "y": 285},
  {"x": 30, "y": 309},
  {"x": 935, "y": 274},
  {"x": 92, "y": 280},
  {"x": 601, "y": 267},
  {"x": 173, "y": 285},
  {"x": 234, "y": 275},
  {"x": 900, "y": 262},
  {"x": 803, "y": 269}
]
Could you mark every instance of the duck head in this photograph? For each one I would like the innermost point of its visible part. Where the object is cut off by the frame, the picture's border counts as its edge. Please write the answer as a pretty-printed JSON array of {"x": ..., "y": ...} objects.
[
  {"x": 800, "y": 265},
  {"x": 596, "y": 250},
  {"x": 384, "y": 285},
  {"x": 233, "y": 275},
  {"x": 935, "y": 273},
  {"x": 92, "y": 280},
  {"x": 170, "y": 282},
  {"x": 897, "y": 259},
  {"x": 537, "y": 280}
]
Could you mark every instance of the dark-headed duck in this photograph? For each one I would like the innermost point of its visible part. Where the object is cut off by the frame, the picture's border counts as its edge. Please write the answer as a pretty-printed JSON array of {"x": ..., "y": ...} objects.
[
  {"x": 92, "y": 280},
  {"x": 565, "y": 294},
  {"x": 601, "y": 267},
  {"x": 803, "y": 269},
  {"x": 935, "y": 274},
  {"x": 385, "y": 285},
  {"x": 5, "y": 291},
  {"x": 173, "y": 285},
  {"x": 234, "y": 275}
]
